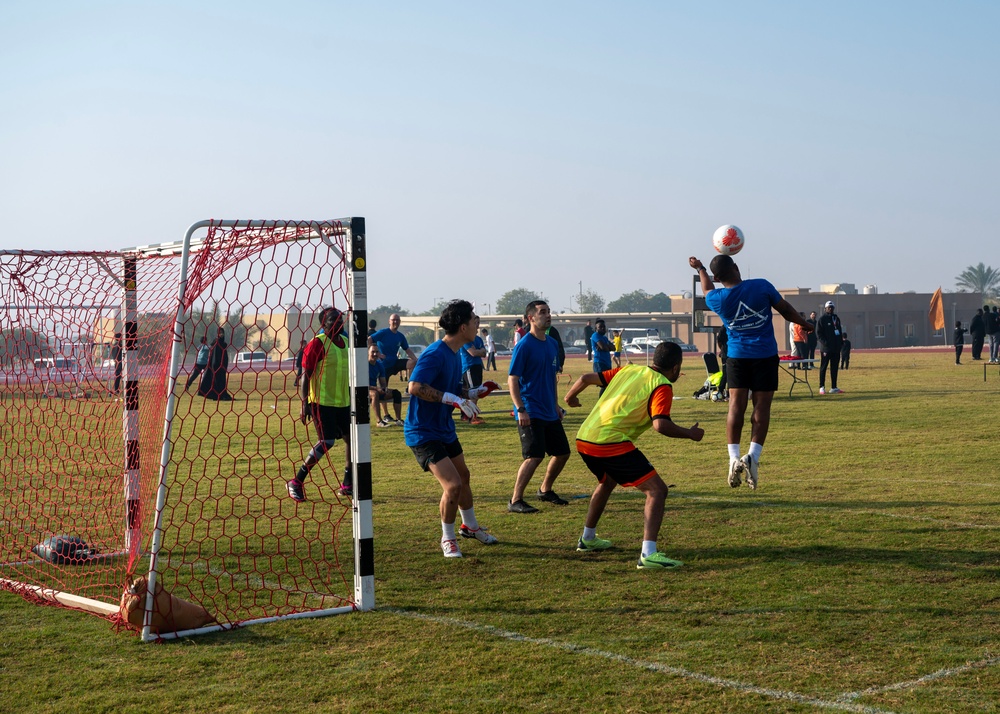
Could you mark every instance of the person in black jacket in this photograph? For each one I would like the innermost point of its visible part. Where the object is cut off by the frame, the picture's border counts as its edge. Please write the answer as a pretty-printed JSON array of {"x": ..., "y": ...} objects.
[
  {"x": 992, "y": 321},
  {"x": 829, "y": 340},
  {"x": 811, "y": 339},
  {"x": 977, "y": 330},
  {"x": 959, "y": 341}
]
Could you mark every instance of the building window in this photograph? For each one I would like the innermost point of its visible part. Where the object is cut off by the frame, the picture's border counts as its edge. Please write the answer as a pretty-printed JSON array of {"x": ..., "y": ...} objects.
[
  {"x": 909, "y": 330},
  {"x": 879, "y": 331}
]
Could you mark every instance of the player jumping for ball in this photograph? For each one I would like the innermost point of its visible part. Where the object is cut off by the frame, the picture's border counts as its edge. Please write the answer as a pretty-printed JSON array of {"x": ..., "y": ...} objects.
[
  {"x": 752, "y": 363},
  {"x": 636, "y": 398},
  {"x": 435, "y": 390}
]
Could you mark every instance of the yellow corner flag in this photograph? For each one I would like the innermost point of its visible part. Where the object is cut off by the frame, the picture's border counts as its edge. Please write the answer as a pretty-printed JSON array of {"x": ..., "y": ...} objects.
[{"x": 936, "y": 313}]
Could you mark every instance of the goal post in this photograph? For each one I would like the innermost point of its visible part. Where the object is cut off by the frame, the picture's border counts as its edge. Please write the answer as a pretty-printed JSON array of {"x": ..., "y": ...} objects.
[{"x": 203, "y": 522}]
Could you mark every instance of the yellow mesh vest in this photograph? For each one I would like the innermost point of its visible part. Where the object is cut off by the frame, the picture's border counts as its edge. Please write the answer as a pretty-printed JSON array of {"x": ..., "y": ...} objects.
[
  {"x": 622, "y": 412},
  {"x": 330, "y": 385}
]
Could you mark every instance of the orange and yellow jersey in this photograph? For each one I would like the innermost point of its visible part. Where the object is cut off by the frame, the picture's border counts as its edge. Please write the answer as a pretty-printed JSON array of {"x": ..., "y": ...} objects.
[{"x": 634, "y": 397}]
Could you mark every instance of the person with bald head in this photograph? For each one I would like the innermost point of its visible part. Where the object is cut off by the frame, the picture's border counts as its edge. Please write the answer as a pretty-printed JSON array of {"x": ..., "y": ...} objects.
[{"x": 389, "y": 340}]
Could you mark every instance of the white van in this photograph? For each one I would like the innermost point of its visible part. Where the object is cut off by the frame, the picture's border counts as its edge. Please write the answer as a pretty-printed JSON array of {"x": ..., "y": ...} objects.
[
  {"x": 54, "y": 363},
  {"x": 251, "y": 358}
]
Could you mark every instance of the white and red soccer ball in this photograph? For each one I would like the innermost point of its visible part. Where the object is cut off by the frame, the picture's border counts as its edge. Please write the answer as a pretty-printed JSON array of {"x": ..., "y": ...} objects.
[{"x": 728, "y": 240}]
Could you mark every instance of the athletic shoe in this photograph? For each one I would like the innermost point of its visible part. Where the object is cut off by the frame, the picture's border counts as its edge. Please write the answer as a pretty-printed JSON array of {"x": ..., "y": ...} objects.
[
  {"x": 822, "y": 391},
  {"x": 477, "y": 420},
  {"x": 400, "y": 422},
  {"x": 521, "y": 507},
  {"x": 450, "y": 548},
  {"x": 480, "y": 534},
  {"x": 836, "y": 391},
  {"x": 551, "y": 497},
  {"x": 346, "y": 490},
  {"x": 384, "y": 423},
  {"x": 595, "y": 544},
  {"x": 657, "y": 560},
  {"x": 735, "y": 469},
  {"x": 296, "y": 491},
  {"x": 750, "y": 471}
]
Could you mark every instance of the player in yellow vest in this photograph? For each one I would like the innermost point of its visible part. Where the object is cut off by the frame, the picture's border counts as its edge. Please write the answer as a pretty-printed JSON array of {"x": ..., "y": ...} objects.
[
  {"x": 326, "y": 398},
  {"x": 635, "y": 399}
]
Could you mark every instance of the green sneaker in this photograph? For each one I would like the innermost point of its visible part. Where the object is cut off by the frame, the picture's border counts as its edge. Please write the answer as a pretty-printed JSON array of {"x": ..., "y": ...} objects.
[
  {"x": 657, "y": 560},
  {"x": 596, "y": 544}
]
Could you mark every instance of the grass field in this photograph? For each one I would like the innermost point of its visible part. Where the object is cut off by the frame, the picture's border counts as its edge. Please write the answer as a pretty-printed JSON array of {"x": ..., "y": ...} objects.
[{"x": 862, "y": 575}]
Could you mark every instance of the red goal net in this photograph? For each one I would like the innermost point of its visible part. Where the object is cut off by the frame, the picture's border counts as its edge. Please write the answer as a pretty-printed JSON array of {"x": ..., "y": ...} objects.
[{"x": 150, "y": 421}]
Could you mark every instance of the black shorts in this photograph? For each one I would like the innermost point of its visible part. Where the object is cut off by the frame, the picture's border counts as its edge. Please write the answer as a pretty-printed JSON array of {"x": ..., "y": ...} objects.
[
  {"x": 396, "y": 367},
  {"x": 758, "y": 375},
  {"x": 543, "y": 437},
  {"x": 431, "y": 452},
  {"x": 474, "y": 377},
  {"x": 628, "y": 469},
  {"x": 332, "y": 422},
  {"x": 385, "y": 395}
]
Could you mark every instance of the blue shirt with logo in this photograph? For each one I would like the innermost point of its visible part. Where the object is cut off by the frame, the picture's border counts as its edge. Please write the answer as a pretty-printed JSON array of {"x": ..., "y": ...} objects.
[
  {"x": 534, "y": 362},
  {"x": 440, "y": 368},
  {"x": 746, "y": 311}
]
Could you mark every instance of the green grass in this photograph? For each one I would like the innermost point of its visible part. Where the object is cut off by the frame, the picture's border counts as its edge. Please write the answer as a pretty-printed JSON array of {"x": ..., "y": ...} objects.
[{"x": 866, "y": 562}]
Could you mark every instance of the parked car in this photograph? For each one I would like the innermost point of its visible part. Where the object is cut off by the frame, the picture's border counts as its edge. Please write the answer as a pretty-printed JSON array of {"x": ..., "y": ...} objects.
[
  {"x": 417, "y": 349},
  {"x": 502, "y": 349},
  {"x": 54, "y": 363},
  {"x": 685, "y": 346},
  {"x": 251, "y": 359},
  {"x": 575, "y": 350}
]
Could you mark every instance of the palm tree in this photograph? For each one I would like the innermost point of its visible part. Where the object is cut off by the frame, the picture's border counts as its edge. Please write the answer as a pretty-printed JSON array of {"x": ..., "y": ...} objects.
[{"x": 979, "y": 279}]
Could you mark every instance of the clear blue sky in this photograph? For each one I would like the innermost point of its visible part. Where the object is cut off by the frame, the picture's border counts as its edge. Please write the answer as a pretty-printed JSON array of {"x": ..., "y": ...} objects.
[{"x": 536, "y": 145}]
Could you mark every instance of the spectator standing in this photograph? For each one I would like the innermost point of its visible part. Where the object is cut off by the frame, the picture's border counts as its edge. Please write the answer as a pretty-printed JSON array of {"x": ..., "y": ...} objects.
[
  {"x": 200, "y": 362},
  {"x": 215, "y": 379},
  {"x": 617, "y": 343},
  {"x": 372, "y": 327},
  {"x": 993, "y": 331},
  {"x": 959, "y": 341},
  {"x": 830, "y": 338},
  {"x": 745, "y": 308},
  {"x": 379, "y": 392},
  {"x": 116, "y": 356},
  {"x": 602, "y": 347},
  {"x": 532, "y": 384},
  {"x": 845, "y": 353},
  {"x": 722, "y": 343},
  {"x": 491, "y": 349},
  {"x": 519, "y": 332},
  {"x": 389, "y": 340},
  {"x": 588, "y": 331},
  {"x": 977, "y": 330},
  {"x": 800, "y": 340}
]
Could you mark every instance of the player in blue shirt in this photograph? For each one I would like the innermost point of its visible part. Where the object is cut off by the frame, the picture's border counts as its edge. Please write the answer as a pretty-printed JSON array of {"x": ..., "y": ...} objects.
[
  {"x": 752, "y": 363},
  {"x": 435, "y": 390},
  {"x": 602, "y": 347},
  {"x": 389, "y": 340},
  {"x": 534, "y": 364}
]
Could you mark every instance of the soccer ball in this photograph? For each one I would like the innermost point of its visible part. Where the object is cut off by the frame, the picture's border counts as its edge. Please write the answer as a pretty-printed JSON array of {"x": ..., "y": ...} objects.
[{"x": 728, "y": 240}]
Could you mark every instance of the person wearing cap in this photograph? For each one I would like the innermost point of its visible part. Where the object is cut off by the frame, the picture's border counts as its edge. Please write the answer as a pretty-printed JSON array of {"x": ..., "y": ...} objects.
[
  {"x": 829, "y": 340},
  {"x": 326, "y": 398},
  {"x": 752, "y": 365}
]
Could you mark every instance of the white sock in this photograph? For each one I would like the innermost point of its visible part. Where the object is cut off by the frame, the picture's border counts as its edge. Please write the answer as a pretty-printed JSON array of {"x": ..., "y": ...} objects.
[
  {"x": 648, "y": 548},
  {"x": 755, "y": 450},
  {"x": 734, "y": 451},
  {"x": 469, "y": 518},
  {"x": 447, "y": 531},
  {"x": 589, "y": 533}
]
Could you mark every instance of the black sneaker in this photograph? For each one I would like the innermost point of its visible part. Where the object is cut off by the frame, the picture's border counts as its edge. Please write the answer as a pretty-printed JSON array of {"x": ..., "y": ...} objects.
[
  {"x": 295, "y": 491},
  {"x": 551, "y": 497},
  {"x": 521, "y": 507}
]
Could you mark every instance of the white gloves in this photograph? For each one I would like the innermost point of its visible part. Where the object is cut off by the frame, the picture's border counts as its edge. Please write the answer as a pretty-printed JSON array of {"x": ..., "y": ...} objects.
[
  {"x": 468, "y": 407},
  {"x": 483, "y": 390}
]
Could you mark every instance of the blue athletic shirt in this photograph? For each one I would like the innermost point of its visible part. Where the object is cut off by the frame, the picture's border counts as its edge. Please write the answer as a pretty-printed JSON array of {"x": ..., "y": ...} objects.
[
  {"x": 534, "y": 363},
  {"x": 375, "y": 372},
  {"x": 603, "y": 359},
  {"x": 440, "y": 368},
  {"x": 389, "y": 343},
  {"x": 746, "y": 311},
  {"x": 467, "y": 359}
]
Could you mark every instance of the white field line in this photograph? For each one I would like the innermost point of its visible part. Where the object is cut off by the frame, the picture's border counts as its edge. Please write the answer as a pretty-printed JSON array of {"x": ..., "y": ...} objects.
[
  {"x": 940, "y": 674},
  {"x": 863, "y": 511},
  {"x": 846, "y": 706}
]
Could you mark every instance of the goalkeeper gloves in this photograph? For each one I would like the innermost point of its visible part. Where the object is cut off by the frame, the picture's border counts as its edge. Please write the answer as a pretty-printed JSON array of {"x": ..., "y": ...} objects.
[
  {"x": 468, "y": 407},
  {"x": 483, "y": 390}
]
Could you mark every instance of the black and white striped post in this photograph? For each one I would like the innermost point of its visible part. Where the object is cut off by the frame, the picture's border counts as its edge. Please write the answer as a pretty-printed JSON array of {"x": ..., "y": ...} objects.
[{"x": 130, "y": 414}]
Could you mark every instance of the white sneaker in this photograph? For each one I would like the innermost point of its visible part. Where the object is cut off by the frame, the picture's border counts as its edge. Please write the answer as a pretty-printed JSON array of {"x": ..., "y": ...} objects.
[
  {"x": 836, "y": 391},
  {"x": 480, "y": 534},
  {"x": 750, "y": 470},
  {"x": 735, "y": 468},
  {"x": 450, "y": 548},
  {"x": 382, "y": 423},
  {"x": 822, "y": 391}
]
